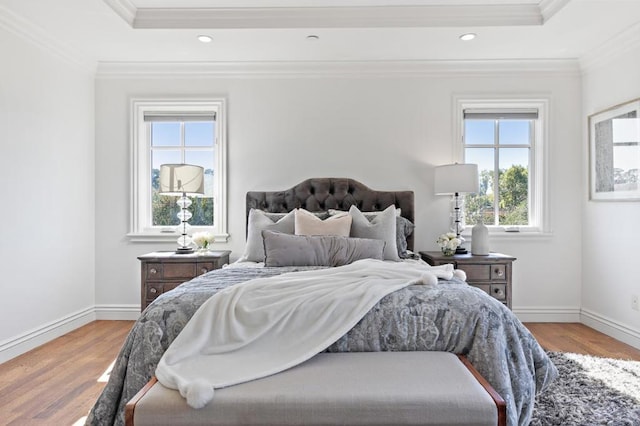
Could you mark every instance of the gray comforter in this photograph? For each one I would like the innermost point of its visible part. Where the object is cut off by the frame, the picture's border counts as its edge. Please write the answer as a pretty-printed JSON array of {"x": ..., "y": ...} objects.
[{"x": 452, "y": 317}]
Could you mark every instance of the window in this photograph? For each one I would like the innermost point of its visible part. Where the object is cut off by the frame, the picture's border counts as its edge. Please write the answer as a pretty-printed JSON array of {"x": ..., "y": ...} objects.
[
  {"x": 165, "y": 132},
  {"x": 505, "y": 139}
]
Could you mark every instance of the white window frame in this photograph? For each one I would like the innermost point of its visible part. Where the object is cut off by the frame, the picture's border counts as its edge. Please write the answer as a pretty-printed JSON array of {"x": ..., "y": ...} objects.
[
  {"x": 540, "y": 223},
  {"x": 140, "y": 227}
]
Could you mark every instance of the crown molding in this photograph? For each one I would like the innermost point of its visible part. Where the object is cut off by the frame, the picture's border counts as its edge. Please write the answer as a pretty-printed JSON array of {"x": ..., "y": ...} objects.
[
  {"x": 548, "y": 8},
  {"x": 355, "y": 69},
  {"x": 124, "y": 8},
  {"x": 36, "y": 36},
  {"x": 334, "y": 16},
  {"x": 617, "y": 46}
]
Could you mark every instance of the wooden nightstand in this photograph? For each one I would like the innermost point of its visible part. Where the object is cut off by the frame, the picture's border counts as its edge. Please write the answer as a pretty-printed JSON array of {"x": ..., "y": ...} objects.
[
  {"x": 490, "y": 273},
  {"x": 164, "y": 270}
]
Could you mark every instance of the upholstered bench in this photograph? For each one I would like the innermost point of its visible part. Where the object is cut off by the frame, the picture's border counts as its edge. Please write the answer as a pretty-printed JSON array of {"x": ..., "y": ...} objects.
[{"x": 369, "y": 388}]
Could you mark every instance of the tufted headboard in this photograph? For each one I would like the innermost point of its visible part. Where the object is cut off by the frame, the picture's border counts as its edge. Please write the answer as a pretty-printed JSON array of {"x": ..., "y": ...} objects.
[{"x": 320, "y": 194}]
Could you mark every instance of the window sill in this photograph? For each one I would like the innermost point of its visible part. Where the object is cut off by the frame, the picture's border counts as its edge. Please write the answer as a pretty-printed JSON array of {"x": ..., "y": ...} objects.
[
  {"x": 170, "y": 237},
  {"x": 501, "y": 234}
]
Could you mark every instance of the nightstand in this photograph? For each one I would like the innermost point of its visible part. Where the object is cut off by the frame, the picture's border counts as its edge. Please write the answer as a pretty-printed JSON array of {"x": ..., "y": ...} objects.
[
  {"x": 165, "y": 270},
  {"x": 490, "y": 273}
]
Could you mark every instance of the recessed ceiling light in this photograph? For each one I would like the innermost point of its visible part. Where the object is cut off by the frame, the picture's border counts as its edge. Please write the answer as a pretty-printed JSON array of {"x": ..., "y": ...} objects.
[
  {"x": 467, "y": 36},
  {"x": 205, "y": 38},
  {"x": 313, "y": 37}
]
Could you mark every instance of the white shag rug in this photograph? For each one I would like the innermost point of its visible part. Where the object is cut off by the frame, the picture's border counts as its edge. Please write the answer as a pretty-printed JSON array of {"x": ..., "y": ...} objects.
[{"x": 590, "y": 391}]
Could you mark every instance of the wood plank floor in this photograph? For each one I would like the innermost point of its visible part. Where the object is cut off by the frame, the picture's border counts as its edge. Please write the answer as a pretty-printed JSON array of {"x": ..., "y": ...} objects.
[
  {"x": 578, "y": 338},
  {"x": 57, "y": 383}
]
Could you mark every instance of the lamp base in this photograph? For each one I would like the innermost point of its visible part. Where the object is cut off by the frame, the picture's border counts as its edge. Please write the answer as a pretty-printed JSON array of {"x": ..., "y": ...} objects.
[
  {"x": 184, "y": 250},
  {"x": 461, "y": 250}
]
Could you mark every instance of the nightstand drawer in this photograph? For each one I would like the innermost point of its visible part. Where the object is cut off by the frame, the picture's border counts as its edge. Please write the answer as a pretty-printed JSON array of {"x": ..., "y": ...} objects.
[
  {"x": 179, "y": 270},
  {"x": 153, "y": 271},
  {"x": 156, "y": 289},
  {"x": 498, "y": 272},
  {"x": 204, "y": 267},
  {"x": 484, "y": 272},
  {"x": 169, "y": 271},
  {"x": 476, "y": 272},
  {"x": 499, "y": 291}
]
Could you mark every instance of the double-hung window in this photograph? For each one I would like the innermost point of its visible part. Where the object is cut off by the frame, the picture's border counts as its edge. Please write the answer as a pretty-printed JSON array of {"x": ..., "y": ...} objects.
[
  {"x": 506, "y": 140},
  {"x": 177, "y": 132}
]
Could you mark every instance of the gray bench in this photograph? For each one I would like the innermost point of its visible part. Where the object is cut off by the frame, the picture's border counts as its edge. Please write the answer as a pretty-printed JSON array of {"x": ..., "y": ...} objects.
[{"x": 368, "y": 388}]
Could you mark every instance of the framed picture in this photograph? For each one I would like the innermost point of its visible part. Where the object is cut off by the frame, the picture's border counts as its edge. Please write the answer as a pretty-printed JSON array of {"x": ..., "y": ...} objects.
[{"x": 614, "y": 153}]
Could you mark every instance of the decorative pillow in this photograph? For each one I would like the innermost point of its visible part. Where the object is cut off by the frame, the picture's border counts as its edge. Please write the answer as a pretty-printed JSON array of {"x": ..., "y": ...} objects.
[
  {"x": 319, "y": 250},
  {"x": 404, "y": 228},
  {"x": 382, "y": 227},
  {"x": 309, "y": 224},
  {"x": 259, "y": 221}
]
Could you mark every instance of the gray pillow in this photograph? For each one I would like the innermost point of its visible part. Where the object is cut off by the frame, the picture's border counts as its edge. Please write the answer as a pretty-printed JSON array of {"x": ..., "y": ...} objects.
[
  {"x": 259, "y": 221},
  {"x": 404, "y": 228},
  {"x": 317, "y": 250},
  {"x": 382, "y": 227}
]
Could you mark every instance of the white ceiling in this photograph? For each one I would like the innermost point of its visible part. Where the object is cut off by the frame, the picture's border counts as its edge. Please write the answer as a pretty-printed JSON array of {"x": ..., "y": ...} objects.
[{"x": 348, "y": 30}]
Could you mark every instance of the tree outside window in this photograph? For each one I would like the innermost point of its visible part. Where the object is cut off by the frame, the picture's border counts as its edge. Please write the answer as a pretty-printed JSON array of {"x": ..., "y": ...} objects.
[{"x": 501, "y": 146}]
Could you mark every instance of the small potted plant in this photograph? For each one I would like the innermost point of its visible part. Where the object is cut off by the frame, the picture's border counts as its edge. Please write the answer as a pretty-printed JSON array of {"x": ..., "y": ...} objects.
[
  {"x": 203, "y": 240},
  {"x": 448, "y": 243}
]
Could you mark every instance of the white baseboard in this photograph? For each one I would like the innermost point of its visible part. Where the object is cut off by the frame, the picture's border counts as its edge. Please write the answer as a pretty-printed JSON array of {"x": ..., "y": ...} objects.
[
  {"x": 542, "y": 314},
  {"x": 117, "y": 312},
  {"x": 34, "y": 338},
  {"x": 610, "y": 328},
  {"x": 18, "y": 345}
]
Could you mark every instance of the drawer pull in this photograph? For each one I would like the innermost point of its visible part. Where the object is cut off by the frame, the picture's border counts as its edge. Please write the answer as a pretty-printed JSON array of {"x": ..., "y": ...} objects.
[
  {"x": 153, "y": 290},
  {"x": 153, "y": 271},
  {"x": 498, "y": 292},
  {"x": 499, "y": 272},
  {"x": 204, "y": 270}
]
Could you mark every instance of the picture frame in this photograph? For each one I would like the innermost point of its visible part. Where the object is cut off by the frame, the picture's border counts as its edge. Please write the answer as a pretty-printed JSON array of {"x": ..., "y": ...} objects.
[{"x": 614, "y": 153}]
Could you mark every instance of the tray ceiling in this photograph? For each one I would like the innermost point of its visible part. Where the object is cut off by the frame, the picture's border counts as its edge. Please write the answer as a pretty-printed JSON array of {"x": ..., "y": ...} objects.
[{"x": 165, "y": 31}]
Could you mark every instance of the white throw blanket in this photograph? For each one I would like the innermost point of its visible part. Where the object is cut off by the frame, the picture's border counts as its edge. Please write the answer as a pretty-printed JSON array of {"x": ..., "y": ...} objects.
[{"x": 267, "y": 325}]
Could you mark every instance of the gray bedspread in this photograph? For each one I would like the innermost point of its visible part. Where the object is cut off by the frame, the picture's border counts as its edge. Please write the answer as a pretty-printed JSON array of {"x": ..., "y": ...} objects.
[{"x": 451, "y": 317}]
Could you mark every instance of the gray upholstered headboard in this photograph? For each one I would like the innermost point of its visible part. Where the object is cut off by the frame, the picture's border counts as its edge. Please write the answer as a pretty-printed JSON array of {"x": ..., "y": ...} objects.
[{"x": 320, "y": 194}]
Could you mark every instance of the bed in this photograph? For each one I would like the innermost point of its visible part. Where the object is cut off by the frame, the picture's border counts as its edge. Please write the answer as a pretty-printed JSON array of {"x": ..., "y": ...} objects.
[{"x": 451, "y": 316}]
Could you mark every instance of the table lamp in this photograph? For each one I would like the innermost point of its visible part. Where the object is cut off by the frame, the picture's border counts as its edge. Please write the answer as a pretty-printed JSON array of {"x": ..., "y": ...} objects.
[
  {"x": 182, "y": 180},
  {"x": 456, "y": 179}
]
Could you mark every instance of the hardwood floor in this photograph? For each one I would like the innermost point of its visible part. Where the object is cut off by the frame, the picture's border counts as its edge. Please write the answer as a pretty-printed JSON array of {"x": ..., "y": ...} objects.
[
  {"x": 578, "y": 338},
  {"x": 57, "y": 383}
]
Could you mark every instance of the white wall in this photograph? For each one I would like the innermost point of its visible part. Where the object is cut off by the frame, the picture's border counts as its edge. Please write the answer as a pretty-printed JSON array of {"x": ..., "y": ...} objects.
[
  {"x": 385, "y": 131},
  {"x": 47, "y": 175},
  {"x": 611, "y": 229}
]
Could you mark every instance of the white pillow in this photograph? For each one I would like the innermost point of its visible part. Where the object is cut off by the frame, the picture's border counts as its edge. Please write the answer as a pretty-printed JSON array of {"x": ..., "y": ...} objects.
[
  {"x": 259, "y": 221},
  {"x": 309, "y": 224},
  {"x": 382, "y": 227}
]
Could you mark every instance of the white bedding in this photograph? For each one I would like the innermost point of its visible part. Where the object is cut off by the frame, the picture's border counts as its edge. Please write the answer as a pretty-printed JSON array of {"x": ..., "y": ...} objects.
[{"x": 266, "y": 325}]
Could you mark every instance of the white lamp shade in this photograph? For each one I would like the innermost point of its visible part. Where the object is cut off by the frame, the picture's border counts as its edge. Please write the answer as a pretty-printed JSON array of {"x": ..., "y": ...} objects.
[
  {"x": 452, "y": 178},
  {"x": 178, "y": 179}
]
